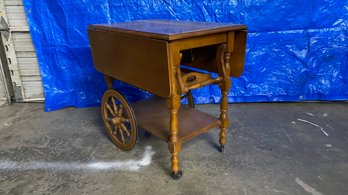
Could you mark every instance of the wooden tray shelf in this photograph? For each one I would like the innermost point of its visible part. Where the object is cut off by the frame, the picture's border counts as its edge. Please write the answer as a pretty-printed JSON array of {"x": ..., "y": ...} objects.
[{"x": 153, "y": 116}]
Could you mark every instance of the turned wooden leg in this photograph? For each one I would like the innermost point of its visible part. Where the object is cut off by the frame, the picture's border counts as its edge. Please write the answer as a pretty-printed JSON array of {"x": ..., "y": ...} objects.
[
  {"x": 109, "y": 81},
  {"x": 223, "y": 119},
  {"x": 224, "y": 87},
  {"x": 173, "y": 144}
]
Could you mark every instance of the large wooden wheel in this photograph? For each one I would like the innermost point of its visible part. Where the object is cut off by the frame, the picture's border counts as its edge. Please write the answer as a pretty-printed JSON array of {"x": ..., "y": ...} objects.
[
  {"x": 119, "y": 120},
  {"x": 189, "y": 97}
]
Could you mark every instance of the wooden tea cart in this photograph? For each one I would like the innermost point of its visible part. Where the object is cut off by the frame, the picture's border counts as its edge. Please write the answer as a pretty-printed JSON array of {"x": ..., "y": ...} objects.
[{"x": 148, "y": 54}]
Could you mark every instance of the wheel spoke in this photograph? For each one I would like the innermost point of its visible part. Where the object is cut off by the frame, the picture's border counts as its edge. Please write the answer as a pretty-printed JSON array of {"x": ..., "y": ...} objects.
[
  {"x": 110, "y": 110},
  {"x": 122, "y": 136},
  {"x": 108, "y": 126},
  {"x": 114, "y": 104},
  {"x": 125, "y": 129},
  {"x": 120, "y": 111},
  {"x": 114, "y": 130},
  {"x": 124, "y": 120}
]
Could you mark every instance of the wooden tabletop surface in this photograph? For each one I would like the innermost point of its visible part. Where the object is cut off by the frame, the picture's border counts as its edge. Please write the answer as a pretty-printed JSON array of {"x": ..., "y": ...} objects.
[{"x": 168, "y": 29}]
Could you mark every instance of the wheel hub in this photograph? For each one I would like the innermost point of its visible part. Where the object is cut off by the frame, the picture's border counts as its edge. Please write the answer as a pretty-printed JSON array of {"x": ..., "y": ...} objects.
[{"x": 117, "y": 120}]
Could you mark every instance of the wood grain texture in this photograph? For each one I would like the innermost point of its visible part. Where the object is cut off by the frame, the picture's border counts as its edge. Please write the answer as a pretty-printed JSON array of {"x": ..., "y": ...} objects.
[
  {"x": 153, "y": 115},
  {"x": 137, "y": 61},
  {"x": 169, "y": 30},
  {"x": 238, "y": 54}
]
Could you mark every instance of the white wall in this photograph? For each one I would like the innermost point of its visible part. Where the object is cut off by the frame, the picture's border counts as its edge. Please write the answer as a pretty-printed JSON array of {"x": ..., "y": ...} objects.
[
  {"x": 2, "y": 91},
  {"x": 24, "y": 60}
]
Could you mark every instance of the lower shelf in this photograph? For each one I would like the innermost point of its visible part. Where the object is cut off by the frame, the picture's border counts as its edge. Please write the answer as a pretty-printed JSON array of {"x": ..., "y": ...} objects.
[{"x": 153, "y": 116}]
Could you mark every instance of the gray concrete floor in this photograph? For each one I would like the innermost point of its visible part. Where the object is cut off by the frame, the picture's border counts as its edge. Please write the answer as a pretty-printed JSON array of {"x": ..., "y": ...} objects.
[{"x": 269, "y": 151}]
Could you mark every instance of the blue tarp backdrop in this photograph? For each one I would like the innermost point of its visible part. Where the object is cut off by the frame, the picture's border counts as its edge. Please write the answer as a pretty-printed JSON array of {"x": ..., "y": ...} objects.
[{"x": 297, "y": 50}]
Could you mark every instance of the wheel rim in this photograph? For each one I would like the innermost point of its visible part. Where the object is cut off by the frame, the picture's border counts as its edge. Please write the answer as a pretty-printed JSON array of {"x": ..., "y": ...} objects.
[{"x": 119, "y": 120}]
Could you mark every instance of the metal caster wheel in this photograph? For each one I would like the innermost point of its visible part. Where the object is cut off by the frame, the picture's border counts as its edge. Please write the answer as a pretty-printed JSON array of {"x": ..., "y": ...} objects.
[
  {"x": 222, "y": 149},
  {"x": 177, "y": 175}
]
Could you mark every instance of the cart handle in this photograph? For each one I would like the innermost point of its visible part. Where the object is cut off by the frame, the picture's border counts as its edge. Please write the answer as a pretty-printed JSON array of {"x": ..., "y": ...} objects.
[{"x": 194, "y": 80}]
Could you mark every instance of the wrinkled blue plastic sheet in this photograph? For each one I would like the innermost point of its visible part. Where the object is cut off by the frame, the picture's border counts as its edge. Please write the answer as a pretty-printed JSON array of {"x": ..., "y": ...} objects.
[{"x": 297, "y": 50}]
